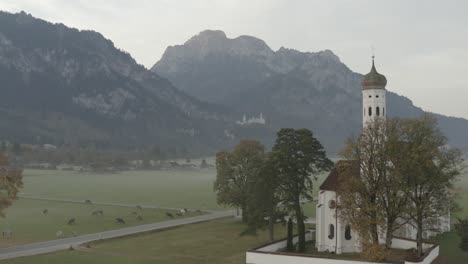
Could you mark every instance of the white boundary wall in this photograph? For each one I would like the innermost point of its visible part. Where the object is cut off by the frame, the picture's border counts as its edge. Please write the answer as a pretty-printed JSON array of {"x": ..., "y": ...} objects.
[
  {"x": 269, "y": 255},
  {"x": 268, "y": 258}
]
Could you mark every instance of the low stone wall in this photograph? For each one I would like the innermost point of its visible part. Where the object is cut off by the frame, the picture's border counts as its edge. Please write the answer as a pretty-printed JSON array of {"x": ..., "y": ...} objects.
[
  {"x": 268, "y": 254},
  {"x": 403, "y": 243},
  {"x": 284, "y": 258},
  {"x": 431, "y": 254},
  {"x": 281, "y": 244}
]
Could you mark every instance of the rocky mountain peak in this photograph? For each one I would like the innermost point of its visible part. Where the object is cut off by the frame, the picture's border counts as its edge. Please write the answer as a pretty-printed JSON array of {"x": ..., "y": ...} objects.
[{"x": 207, "y": 36}]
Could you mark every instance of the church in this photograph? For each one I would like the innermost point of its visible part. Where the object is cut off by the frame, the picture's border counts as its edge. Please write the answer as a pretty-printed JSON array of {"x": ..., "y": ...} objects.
[{"x": 332, "y": 235}]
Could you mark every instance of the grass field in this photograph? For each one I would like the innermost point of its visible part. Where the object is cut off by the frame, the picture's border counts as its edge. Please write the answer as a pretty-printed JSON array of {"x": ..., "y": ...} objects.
[
  {"x": 450, "y": 253},
  {"x": 29, "y": 224},
  {"x": 216, "y": 241},
  {"x": 184, "y": 188},
  {"x": 177, "y": 188}
]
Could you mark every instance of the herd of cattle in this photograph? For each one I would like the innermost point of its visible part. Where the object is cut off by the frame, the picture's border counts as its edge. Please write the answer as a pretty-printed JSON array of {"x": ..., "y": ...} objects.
[{"x": 8, "y": 234}]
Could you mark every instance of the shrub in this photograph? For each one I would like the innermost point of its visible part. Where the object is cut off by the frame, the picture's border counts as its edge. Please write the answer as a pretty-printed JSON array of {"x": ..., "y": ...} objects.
[{"x": 374, "y": 253}]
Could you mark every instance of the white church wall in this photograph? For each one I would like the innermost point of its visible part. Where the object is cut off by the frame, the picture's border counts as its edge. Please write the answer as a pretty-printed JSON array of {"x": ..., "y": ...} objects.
[{"x": 326, "y": 217}]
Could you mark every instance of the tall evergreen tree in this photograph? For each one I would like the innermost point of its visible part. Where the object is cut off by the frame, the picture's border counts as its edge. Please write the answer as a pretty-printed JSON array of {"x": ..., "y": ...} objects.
[{"x": 298, "y": 156}]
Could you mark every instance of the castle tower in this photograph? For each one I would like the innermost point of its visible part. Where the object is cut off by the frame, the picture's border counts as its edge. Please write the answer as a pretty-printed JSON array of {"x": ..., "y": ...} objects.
[{"x": 373, "y": 95}]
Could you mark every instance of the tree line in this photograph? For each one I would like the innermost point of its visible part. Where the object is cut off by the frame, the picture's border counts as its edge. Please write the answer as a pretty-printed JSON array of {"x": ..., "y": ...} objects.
[{"x": 270, "y": 185}]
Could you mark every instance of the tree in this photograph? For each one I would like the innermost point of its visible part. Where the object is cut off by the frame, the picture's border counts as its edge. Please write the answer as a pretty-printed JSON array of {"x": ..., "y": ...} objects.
[
  {"x": 289, "y": 242},
  {"x": 10, "y": 183},
  {"x": 372, "y": 194},
  {"x": 430, "y": 168},
  {"x": 297, "y": 155},
  {"x": 235, "y": 173},
  {"x": 264, "y": 201}
]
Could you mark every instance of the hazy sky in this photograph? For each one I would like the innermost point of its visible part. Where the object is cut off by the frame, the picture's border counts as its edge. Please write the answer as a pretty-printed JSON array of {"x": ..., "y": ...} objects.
[{"x": 421, "y": 46}]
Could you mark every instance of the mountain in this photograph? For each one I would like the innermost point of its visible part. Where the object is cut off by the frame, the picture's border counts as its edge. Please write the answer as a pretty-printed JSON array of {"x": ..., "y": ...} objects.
[
  {"x": 290, "y": 88},
  {"x": 60, "y": 85}
]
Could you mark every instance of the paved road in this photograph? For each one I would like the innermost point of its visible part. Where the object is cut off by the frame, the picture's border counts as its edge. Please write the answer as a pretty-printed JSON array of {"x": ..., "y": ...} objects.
[{"x": 65, "y": 243}]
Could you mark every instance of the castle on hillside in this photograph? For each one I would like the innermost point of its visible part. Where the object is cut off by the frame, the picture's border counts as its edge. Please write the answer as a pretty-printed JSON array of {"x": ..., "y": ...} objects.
[{"x": 252, "y": 120}]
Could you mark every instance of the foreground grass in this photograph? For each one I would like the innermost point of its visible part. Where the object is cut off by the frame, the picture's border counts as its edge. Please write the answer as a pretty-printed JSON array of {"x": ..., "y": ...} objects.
[
  {"x": 216, "y": 241},
  {"x": 450, "y": 253},
  {"x": 29, "y": 224}
]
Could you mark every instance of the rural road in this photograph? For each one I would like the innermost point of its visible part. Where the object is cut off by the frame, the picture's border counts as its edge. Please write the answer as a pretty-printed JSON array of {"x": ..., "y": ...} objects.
[{"x": 65, "y": 243}]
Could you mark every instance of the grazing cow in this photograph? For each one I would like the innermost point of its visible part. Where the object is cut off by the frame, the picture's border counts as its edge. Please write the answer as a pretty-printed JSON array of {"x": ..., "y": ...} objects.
[
  {"x": 7, "y": 234},
  {"x": 72, "y": 221},
  {"x": 183, "y": 211},
  {"x": 59, "y": 234},
  {"x": 45, "y": 211},
  {"x": 169, "y": 215},
  {"x": 98, "y": 212},
  {"x": 139, "y": 218},
  {"x": 119, "y": 220},
  {"x": 88, "y": 202},
  {"x": 139, "y": 207}
]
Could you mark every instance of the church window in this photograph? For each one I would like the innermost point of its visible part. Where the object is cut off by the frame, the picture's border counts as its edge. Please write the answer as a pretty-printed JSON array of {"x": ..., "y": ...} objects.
[
  {"x": 383, "y": 111},
  {"x": 377, "y": 111},
  {"x": 347, "y": 232},
  {"x": 370, "y": 111},
  {"x": 332, "y": 204},
  {"x": 331, "y": 231},
  {"x": 370, "y": 96},
  {"x": 377, "y": 96}
]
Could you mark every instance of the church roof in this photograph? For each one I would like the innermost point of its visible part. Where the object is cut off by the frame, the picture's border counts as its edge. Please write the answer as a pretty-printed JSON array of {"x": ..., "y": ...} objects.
[
  {"x": 342, "y": 168},
  {"x": 374, "y": 80}
]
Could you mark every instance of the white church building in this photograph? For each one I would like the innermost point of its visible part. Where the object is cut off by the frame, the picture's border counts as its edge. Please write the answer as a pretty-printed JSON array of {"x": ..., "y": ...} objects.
[{"x": 332, "y": 234}]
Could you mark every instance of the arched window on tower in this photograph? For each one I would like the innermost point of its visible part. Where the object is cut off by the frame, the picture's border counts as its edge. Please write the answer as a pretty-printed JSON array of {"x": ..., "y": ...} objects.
[
  {"x": 370, "y": 111},
  {"x": 347, "y": 232},
  {"x": 377, "y": 111},
  {"x": 383, "y": 111},
  {"x": 331, "y": 231}
]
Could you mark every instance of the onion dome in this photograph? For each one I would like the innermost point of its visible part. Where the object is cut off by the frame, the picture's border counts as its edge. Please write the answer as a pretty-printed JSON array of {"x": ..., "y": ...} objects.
[{"x": 374, "y": 80}]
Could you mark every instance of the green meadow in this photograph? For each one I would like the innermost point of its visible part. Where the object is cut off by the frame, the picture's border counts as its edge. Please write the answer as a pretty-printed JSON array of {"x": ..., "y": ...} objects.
[
  {"x": 29, "y": 224},
  {"x": 216, "y": 241},
  {"x": 166, "y": 188}
]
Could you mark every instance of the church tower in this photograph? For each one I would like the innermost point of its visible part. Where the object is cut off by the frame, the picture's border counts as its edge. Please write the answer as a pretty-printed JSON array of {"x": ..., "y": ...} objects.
[{"x": 373, "y": 95}]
